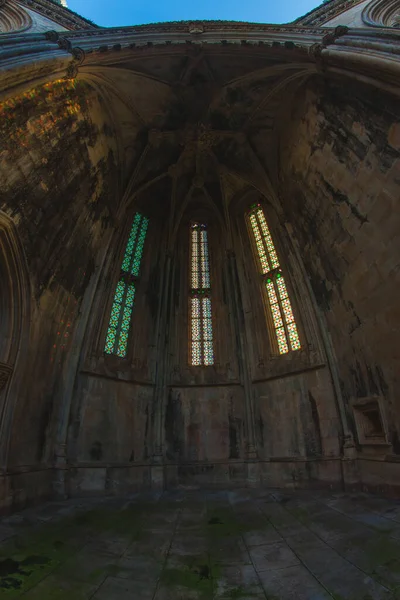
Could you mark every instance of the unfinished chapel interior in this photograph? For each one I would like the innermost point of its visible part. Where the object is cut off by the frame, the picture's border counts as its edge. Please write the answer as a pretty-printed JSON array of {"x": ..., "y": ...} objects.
[{"x": 199, "y": 253}]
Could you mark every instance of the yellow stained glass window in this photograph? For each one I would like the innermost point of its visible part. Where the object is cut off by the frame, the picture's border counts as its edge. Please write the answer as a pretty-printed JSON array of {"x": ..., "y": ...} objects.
[
  {"x": 122, "y": 307},
  {"x": 286, "y": 332},
  {"x": 201, "y": 333}
]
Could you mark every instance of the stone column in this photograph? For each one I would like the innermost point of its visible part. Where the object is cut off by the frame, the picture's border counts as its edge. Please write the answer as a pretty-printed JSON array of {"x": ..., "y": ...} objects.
[
  {"x": 157, "y": 471},
  {"x": 244, "y": 370}
]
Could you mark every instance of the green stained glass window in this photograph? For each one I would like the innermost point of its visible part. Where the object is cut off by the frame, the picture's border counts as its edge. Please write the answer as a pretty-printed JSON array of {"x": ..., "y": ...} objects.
[
  {"x": 124, "y": 297},
  {"x": 201, "y": 335},
  {"x": 284, "y": 324}
]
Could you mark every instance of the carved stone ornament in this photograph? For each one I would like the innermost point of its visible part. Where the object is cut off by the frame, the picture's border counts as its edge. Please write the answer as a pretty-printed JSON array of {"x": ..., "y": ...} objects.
[
  {"x": 316, "y": 50},
  {"x": 326, "y": 12},
  {"x": 52, "y": 36},
  {"x": 59, "y": 14},
  {"x": 5, "y": 373},
  {"x": 196, "y": 28}
]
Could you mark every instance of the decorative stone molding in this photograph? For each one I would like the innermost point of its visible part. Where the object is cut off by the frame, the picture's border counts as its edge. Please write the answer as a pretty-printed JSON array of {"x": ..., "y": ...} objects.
[
  {"x": 222, "y": 29},
  {"x": 382, "y": 13},
  {"x": 59, "y": 14},
  {"x": 5, "y": 373},
  {"x": 13, "y": 18},
  {"x": 326, "y": 12}
]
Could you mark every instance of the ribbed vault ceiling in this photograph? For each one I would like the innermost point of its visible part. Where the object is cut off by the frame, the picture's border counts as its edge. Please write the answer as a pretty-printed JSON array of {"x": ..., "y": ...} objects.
[{"x": 197, "y": 124}]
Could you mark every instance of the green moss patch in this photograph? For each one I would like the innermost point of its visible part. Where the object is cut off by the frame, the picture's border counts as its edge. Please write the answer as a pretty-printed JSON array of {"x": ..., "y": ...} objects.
[{"x": 194, "y": 573}]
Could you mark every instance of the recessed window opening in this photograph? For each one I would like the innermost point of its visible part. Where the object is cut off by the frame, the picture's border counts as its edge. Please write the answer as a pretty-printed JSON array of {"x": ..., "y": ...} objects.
[
  {"x": 201, "y": 330},
  {"x": 124, "y": 297},
  {"x": 284, "y": 324}
]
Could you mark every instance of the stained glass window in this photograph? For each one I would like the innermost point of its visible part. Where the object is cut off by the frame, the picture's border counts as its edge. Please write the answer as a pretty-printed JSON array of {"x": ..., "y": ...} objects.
[
  {"x": 124, "y": 297},
  {"x": 287, "y": 336},
  {"x": 201, "y": 334}
]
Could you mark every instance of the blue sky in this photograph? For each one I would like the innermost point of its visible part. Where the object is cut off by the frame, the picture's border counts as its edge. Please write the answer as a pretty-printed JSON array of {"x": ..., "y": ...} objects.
[{"x": 134, "y": 12}]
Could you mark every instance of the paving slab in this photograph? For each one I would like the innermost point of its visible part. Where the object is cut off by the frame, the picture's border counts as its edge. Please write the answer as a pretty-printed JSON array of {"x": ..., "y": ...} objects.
[
  {"x": 229, "y": 551},
  {"x": 273, "y": 556},
  {"x": 122, "y": 589},
  {"x": 87, "y": 567},
  {"x": 238, "y": 581},
  {"x": 115, "y": 546},
  {"x": 267, "y": 535},
  {"x": 204, "y": 545},
  {"x": 292, "y": 583},
  {"x": 59, "y": 589},
  {"x": 138, "y": 568}
]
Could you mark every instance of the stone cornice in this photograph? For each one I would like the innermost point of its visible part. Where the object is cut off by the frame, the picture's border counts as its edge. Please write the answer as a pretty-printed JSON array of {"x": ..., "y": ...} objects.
[
  {"x": 326, "y": 12},
  {"x": 196, "y": 29},
  {"x": 104, "y": 41},
  {"x": 59, "y": 14}
]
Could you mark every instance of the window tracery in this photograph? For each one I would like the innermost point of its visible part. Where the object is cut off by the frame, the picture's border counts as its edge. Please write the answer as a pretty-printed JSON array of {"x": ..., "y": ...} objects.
[
  {"x": 124, "y": 297},
  {"x": 201, "y": 333},
  {"x": 279, "y": 304}
]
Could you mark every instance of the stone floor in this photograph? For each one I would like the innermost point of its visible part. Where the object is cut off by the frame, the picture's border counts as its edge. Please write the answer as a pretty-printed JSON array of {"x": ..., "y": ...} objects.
[{"x": 194, "y": 545}]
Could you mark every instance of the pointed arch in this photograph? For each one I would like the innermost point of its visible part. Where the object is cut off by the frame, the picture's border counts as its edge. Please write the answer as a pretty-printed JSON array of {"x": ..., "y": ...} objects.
[
  {"x": 13, "y": 291},
  {"x": 14, "y": 323}
]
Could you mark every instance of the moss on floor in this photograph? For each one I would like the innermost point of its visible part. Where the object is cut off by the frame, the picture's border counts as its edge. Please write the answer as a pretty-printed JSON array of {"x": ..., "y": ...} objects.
[
  {"x": 194, "y": 573},
  {"x": 239, "y": 593},
  {"x": 30, "y": 556}
]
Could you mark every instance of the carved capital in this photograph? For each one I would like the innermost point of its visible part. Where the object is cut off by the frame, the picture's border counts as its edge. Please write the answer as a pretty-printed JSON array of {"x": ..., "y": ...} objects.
[{"x": 5, "y": 374}]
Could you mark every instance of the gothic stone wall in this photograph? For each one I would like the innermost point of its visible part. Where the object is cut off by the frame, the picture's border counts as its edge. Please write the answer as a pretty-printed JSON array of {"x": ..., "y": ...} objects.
[
  {"x": 200, "y": 417},
  {"x": 340, "y": 186},
  {"x": 57, "y": 170}
]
